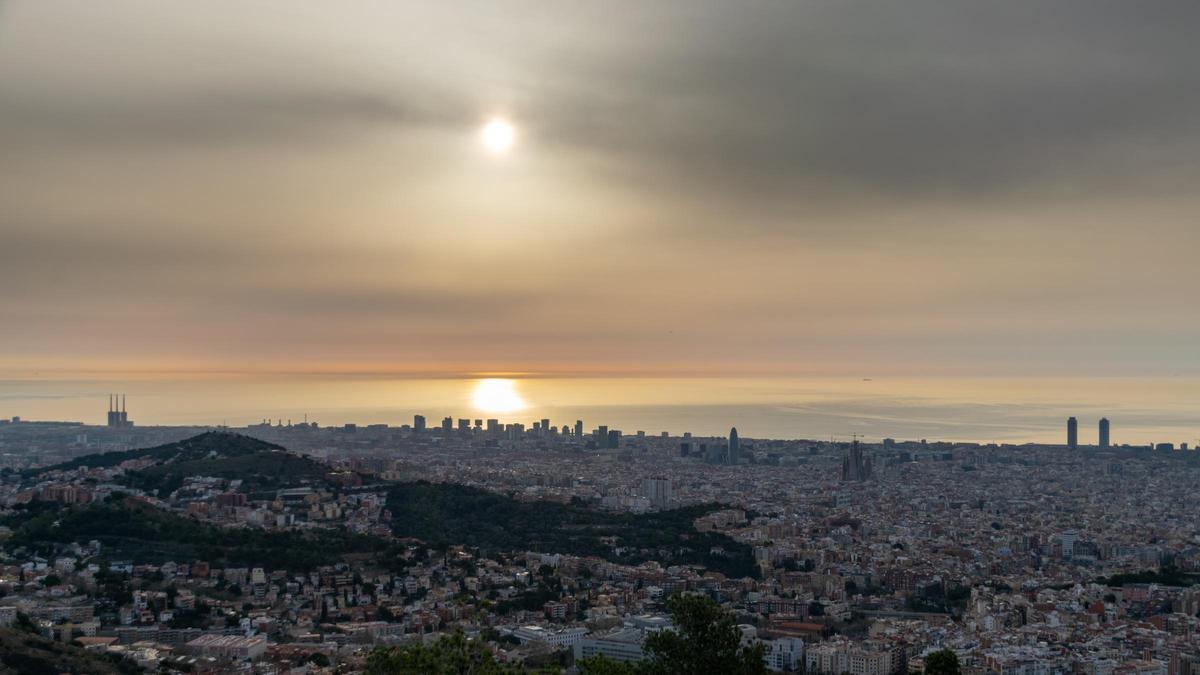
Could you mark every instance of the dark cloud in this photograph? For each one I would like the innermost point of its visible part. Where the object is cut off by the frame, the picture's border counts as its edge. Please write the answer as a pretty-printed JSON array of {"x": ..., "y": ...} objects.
[
  {"x": 306, "y": 113},
  {"x": 913, "y": 98}
]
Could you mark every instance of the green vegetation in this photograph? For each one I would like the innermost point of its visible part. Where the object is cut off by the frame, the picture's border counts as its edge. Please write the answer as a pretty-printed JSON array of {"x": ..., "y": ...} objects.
[
  {"x": 451, "y": 655},
  {"x": 1167, "y": 576},
  {"x": 141, "y": 532},
  {"x": 444, "y": 514},
  {"x": 706, "y": 639},
  {"x": 938, "y": 599},
  {"x": 261, "y": 466},
  {"x": 532, "y": 599},
  {"x": 602, "y": 665},
  {"x": 22, "y": 653},
  {"x": 258, "y": 471},
  {"x": 201, "y": 446},
  {"x": 942, "y": 662}
]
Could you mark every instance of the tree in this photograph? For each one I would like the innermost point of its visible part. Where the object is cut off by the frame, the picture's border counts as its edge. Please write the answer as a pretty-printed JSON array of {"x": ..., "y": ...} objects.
[
  {"x": 942, "y": 662},
  {"x": 706, "y": 639},
  {"x": 602, "y": 665},
  {"x": 25, "y": 624},
  {"x": 451, "y": 655}
]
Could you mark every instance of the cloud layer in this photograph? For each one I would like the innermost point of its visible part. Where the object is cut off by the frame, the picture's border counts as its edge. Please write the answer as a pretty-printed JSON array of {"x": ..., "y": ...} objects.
[{"x": 699, "y": 187}]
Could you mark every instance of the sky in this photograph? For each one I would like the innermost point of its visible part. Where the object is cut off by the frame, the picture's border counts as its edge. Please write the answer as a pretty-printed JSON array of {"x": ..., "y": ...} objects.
[{"x": 823, "y": 189}]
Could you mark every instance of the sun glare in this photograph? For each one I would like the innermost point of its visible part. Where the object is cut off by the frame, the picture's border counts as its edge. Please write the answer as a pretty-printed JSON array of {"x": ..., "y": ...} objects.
[
  {"x": 498, "y": 135},
  {"x": 497, "y": 396}
]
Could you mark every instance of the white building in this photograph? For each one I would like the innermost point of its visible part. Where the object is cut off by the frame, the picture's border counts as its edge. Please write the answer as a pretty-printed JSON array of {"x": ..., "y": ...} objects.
[
  {"x": 233, "y": 647},
  {"x": 855, "y": 658},
  {"x": 566, "y": 637},
  {"x": 621, "y": 645},
  {"x": 784, "y": 654},
  {"x": 1069, "y": 539}
]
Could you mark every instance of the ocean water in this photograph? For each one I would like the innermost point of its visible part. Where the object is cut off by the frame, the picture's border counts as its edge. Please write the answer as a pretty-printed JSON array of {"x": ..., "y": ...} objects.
[{"x": 1141, "y": 410}]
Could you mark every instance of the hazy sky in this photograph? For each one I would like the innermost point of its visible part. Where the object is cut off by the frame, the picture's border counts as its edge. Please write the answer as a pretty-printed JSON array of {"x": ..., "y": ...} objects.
[{"x": 718, "y": 187}]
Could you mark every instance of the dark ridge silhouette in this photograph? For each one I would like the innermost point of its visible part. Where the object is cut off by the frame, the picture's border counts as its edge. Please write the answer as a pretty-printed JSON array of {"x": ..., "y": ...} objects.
[{"x": 200, "y": 446}]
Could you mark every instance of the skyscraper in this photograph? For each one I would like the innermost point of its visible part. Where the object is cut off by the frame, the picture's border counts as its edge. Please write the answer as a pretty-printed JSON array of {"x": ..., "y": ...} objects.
[
  {"x": 418, "y": 423},
  {"x": 1069, "y": 539},
  {"x": 1072, "y": 433},
  {"x": 447, "y": 424},
  {"x": 578, "y": 428},
  {"x": 659, "y": 491},
  {"x": 734, "y": 446},
  {"x": 1104, "y": 439},
  {"x": 614, "y": 439}
]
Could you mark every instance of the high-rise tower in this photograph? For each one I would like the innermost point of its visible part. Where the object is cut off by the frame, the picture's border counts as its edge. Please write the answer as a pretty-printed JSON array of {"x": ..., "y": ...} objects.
[
  {"x": 735, "y": 446},
  {"x": 1104, "y": 438},
  {"x": 659, "y": 491},
  {"x": 1072, "y": 433}
]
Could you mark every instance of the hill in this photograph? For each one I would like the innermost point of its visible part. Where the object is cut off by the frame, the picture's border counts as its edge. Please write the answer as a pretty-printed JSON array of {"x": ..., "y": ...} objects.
[
  {"x": 258, "y": 464},
  {"x": 134, "y": 530},
  {"x": 23, "y": 653},
  {"x": 457, "y": 514},
  {"x": 259, "y": 471},
  {"x": 200, "y": 446}
]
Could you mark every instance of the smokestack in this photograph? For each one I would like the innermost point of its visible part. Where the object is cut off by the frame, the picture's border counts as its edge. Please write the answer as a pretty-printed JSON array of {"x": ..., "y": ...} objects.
[{"x": 122, "y": 402}]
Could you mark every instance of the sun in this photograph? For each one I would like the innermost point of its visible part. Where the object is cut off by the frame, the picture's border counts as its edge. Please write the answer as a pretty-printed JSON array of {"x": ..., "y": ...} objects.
[
  {"x": 498, "y": 135},
  {"x": 497, "y": 396}
]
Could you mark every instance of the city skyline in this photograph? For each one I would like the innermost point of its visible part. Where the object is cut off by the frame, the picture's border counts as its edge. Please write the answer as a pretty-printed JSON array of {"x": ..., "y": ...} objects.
[
  {"x": 503, "y": 420},
  {"x": 986, "y": 410}
]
